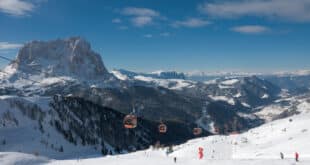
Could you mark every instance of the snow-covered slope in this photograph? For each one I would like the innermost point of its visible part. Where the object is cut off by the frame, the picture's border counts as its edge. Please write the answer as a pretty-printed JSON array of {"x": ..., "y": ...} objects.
[
  {"x": 25, "y": 126},
  {"x": 258, "y": 146},
  {"x": 285, "y": 106}
]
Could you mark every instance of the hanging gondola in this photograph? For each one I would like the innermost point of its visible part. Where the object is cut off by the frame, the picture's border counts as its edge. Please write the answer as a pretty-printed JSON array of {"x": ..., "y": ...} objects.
[
  {"x": 130, "y": 121},
  {"x": 197, "y": 131},
  {"x": 216, "y": 130},
  {"x": 162, "y": 128}
]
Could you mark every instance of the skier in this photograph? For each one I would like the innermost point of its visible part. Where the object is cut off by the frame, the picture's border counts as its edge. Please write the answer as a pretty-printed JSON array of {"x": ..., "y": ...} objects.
[
  {"x": 281, "y": 155},
  {"x": 296, "y": 156},
  {"x": 200, "y": 152},
  {"x": 175, "y": 159}
]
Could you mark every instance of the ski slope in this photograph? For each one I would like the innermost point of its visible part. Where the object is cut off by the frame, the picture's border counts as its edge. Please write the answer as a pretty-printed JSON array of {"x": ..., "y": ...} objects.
[{"x": 258, "y": 146}]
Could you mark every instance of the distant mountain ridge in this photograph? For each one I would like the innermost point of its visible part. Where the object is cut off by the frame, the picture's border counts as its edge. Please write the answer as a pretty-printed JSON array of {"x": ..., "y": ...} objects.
[{"x": 122, "y": 73}]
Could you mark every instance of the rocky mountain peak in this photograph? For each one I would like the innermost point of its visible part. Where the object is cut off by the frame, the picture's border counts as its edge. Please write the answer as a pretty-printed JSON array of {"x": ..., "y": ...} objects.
[{"x": 62, "y": 57}]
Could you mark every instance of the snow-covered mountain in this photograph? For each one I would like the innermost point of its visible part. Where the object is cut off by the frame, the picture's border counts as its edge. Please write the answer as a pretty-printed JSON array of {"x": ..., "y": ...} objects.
[
  {"x": 64, "y": 127},
  {"x": 70, "y": 57},
  {"x": 249, "y": 91},
  {"x": 170, "y": 80},
  {"x": 45, "y": 67},
  {"x": 261, "y": 145},
  {"x": 59, "y": 95},
  {"x": 126, "y": 74}
]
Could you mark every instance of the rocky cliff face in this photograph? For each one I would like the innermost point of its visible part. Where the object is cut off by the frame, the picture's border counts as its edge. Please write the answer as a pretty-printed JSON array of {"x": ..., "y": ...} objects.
[{"x": 69, "y": 57}]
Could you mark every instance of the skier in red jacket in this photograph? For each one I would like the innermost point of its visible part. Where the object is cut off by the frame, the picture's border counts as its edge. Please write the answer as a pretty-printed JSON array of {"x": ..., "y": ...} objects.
[
  {"x": 296, "y": 156},
  {"x": 200, "y": 152}
]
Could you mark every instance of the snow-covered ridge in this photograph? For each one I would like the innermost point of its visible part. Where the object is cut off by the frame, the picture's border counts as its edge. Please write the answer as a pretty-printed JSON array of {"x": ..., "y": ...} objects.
[
  {"x": 293, "y": 73},
  {"x": 227, "y": 89},
  {"x": 223, "y": 98},
  {"x": 170, "y": 80},
  {"x": 122, "y": 73},
  {"x": 305, "y": 72}
]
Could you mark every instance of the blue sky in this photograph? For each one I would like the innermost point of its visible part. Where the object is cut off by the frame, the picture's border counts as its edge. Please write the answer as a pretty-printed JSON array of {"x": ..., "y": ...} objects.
[{"x": 148, "y": 35}]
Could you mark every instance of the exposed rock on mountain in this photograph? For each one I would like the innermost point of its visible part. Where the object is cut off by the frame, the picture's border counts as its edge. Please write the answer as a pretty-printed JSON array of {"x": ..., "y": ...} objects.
[{"x": 70, "y": 57}]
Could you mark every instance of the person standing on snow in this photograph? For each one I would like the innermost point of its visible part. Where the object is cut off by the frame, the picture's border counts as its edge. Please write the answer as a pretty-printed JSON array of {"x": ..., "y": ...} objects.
[
  {"x": 296, "y": 156},
  {"x": 281, "y": 155},
  {"x": 175, "y": 159},
  {"x": 200, "y": 152}
]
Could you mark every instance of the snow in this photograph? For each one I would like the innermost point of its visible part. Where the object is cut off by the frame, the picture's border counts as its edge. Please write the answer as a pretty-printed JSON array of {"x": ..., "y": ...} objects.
[
  {"x": 230, "y": 82},
  {"x": 214, "y": 81},
  {"x": 26, "y": 137},
  {"x": 223, "y": 98},
  {"x": 265, "y": 96},
  {"x": 299, "y": 103},
  {"x": 6, "y": 158},
  {"x": 53, "y": 80},
  {"x": 238, "y": 94},
  {"x": 157, "y": 72},
  {"x": 10, "y": 69},
  {"x": 174, "y": 84},
  {"x": 245, "y": 104},
  {"x": 143, "y": 78},
  {"x": 270, "y": 111},
  {"x": 261, "y": 145},
  {"x": 267, "y": 141},
  {"x": 292, "y": 73},
  {"x": 180, "y": 84},
  {"x": 224, "y": 86},
  {"x": 304, "y": 106},
  {"x": 119, "y": 75}
]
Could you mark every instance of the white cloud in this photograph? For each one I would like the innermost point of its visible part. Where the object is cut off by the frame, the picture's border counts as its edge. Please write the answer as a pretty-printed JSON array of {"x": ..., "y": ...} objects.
[
  {"x": 140, "y": 17},
  {"x": 250, "y": 29},
  {"x": 16, "y": 7},
  {"x": 191, "y": 23},
  {"x": 116, "y": 20},
  {"x": 134, "y": 11},
  {"x": 8, "y": 46},
  {"x": 290, "y": 10},
  {"x": 141, "y": 21},
  {"x": 148, "y": 36},
  {"x": 165, "y": 34}
]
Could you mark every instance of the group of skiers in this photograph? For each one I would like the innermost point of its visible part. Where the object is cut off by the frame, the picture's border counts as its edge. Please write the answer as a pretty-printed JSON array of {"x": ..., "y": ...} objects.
[{"x": 296, "y": 156}]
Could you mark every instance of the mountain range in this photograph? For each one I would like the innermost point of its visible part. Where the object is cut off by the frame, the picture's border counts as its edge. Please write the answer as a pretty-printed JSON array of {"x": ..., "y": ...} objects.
[{"x": 64, "y": 102}]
